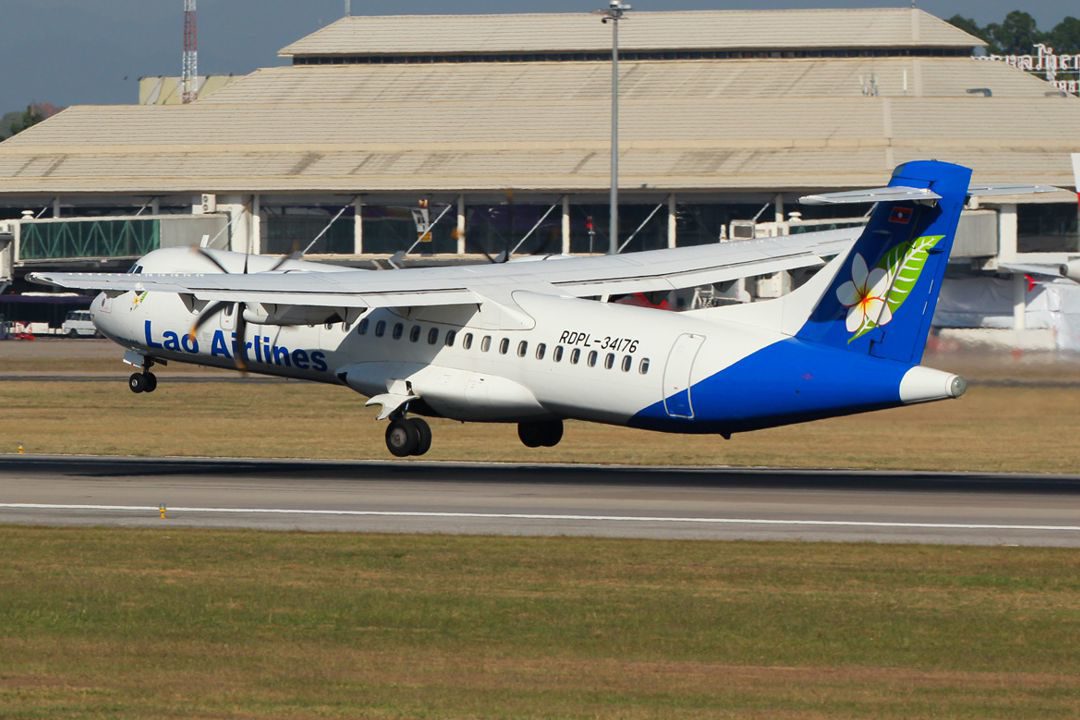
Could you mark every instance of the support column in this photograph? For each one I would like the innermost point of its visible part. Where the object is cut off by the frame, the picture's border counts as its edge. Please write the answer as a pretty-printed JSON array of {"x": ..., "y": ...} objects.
[
  {"x": 460, "y": 227},
  {"x": 1019, "y": 302},
  {"x": 778, "y": 212},
  {"x": 155, "y": 206},
  {"x": 239, "y": 214},
  {"x": 256, "y": 224},
  {"x": 565, "y": 225},
  {"x": 1007, "y": 232},
  {"x": 56, "y": 207},
  {"x": 672, "y": 224},
  {"x": 358, "y": 226}
]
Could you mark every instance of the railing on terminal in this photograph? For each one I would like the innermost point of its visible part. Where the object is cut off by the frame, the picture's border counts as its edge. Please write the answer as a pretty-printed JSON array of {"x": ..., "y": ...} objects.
[
  {"x": 108, "y": 237},
  {"x": 104, "y": 238}
]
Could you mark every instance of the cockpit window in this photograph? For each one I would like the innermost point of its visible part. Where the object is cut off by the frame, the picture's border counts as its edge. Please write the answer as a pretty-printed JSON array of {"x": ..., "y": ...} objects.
[{"x": 135, "y": 269}]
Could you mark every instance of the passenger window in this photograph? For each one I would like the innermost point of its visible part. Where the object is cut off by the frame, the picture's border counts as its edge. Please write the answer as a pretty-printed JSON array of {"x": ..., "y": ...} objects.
[
  {"x": 229, "y": 310},
  {"x": 380, "y": 328},
  {"x": 592, "y": 358},
  {"x": 361, "y": 329},
  {"x": 558, "y": 353},
  {"x": 450, "y": 335},
  {"x": 504, "y": 346},
  {"x": 540, "y": 350},
  {"x": 575, "y": 355},
  {"x": 414, "y": 333},
  {"x": 467, "y": 342},
  {"x": 523, "y": 347},
  {"x": 643, "y": 368},
  {"x": 399, "y": 329},
  {"x": 433, "y": 336},
  {"x": 627, "y": 361},
  {"x": 609, "y": 361},
  {"x": 485, "y": 344}
]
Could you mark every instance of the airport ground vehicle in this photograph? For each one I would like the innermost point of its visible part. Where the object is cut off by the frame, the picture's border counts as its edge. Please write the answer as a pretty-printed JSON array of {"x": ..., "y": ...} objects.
[{"x": 79, "y": 323}]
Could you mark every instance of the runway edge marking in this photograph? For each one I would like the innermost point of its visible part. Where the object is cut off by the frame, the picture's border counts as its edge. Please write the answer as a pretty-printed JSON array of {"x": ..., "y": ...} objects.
[{"x": 530, "y": 516}]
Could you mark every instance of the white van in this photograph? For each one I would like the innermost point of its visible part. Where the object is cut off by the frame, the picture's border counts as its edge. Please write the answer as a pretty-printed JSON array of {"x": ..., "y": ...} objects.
[{"x": 78, "y": 324}]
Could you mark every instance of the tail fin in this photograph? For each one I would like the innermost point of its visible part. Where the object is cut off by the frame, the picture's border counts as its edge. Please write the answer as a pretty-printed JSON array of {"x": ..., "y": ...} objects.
[{"x": 883, "y": 297}]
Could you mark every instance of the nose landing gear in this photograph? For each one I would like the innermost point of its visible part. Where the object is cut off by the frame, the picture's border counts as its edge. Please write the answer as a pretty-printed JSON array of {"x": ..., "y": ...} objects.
[
  {"x": 145, "y": 381},
  {"x": 408, "y": 436}
]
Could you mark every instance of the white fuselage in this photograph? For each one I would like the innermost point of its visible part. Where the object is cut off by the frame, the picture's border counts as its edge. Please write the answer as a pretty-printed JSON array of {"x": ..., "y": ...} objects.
[{"x": 522, "y": 357}]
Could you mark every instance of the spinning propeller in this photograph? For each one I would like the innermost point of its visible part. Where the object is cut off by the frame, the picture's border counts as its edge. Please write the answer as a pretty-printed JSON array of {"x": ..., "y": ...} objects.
[{"x": 240, "y": 307}]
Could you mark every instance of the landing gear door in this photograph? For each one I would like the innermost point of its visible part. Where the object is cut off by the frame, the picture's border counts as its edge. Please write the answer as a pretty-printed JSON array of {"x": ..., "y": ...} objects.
[{"x": 680, "y": 363}]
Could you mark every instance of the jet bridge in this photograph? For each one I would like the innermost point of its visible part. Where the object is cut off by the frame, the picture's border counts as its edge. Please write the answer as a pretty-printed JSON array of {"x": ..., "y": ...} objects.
[{"x": 7, "y": 252}]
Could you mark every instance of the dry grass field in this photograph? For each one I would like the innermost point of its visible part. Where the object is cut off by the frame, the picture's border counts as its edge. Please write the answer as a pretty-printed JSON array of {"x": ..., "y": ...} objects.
[{"x": 1027, "y": 427}]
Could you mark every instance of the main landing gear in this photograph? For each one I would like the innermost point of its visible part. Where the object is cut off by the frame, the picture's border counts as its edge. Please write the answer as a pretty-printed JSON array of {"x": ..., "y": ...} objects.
[
  {"x": 541, "y": 434},
  {"x": 408, "y": 436},
  {"x": 144, "y": 381}
]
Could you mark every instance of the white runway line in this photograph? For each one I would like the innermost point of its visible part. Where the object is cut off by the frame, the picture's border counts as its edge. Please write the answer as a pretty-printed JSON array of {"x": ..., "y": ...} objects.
[{"x": 530, "y": 516}]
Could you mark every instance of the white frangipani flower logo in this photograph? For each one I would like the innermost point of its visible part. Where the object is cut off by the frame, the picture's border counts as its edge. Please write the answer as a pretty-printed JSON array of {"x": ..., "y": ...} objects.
[{"x": 864, "y": 297}]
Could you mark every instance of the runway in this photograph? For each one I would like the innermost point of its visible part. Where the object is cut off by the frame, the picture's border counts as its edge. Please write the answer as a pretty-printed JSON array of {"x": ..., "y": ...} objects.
[{"x": 720, "y": 504}]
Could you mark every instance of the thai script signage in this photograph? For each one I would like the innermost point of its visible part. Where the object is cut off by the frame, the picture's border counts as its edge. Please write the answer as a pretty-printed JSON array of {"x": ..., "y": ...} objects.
[{"x": 1049, "y": 64}]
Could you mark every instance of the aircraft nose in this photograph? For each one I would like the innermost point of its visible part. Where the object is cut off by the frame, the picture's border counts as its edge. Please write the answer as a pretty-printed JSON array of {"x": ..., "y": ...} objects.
[{"x": 101, "y": 315}]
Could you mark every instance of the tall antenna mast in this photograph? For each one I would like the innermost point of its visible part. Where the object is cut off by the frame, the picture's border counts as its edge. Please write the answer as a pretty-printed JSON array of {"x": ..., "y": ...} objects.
[{"x": 190, "y": 72}]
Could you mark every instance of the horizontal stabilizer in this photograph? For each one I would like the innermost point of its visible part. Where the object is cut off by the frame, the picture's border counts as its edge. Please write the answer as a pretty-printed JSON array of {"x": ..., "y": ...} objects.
[
  {"x": 1010, "y": 189},
  {"x": 884, "y": 194}
]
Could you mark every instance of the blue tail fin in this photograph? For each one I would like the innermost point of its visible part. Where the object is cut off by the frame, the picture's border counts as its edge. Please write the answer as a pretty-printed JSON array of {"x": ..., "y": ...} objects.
[{"x": 883, "y": 297}]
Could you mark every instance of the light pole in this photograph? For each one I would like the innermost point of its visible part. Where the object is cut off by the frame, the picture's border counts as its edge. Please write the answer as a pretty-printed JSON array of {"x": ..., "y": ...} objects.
[{"x": 615, "y": 11}]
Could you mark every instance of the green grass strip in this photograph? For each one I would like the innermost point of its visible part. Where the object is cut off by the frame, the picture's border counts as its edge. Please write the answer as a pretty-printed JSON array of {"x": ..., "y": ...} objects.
[{"x": 125, "y": 623}]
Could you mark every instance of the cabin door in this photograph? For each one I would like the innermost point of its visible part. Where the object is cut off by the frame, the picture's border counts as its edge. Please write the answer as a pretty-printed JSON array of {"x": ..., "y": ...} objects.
[{"x": 680, "y": 363}]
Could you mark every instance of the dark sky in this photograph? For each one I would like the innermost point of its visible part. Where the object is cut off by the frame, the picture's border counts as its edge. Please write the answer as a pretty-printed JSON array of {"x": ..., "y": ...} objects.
[{"x": 93, "y": 51}]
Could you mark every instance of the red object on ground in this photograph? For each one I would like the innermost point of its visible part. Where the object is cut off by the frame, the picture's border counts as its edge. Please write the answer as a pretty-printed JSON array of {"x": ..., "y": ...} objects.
[{"x": 642, "y": 300}]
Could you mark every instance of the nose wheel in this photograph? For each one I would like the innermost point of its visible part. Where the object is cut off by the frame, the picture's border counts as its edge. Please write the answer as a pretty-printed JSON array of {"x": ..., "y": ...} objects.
[
  {"x": 408, "y": 436},
  {"x": 141, "y": 382}
]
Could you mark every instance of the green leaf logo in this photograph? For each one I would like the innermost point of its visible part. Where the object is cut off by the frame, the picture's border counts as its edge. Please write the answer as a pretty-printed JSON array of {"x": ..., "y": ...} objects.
[{"x": 873, "y": 297}]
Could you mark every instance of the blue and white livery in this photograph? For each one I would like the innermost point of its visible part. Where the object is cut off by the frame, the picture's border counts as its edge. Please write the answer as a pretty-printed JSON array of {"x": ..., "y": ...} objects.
[{"x": 523, "y": 342}]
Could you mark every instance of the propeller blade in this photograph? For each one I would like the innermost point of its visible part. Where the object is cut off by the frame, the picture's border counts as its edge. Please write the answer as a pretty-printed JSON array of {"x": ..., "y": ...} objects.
[
  {"x": 241, "y": 331},
  {"x": 202, "y": 251},
  {"x": 204, "y": 317},
  {"x": 295, "y": 255}
]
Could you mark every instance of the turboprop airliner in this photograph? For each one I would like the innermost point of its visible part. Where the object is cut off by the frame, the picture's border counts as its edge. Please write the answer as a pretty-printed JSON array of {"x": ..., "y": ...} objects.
[{"x": 524, "y": 343}]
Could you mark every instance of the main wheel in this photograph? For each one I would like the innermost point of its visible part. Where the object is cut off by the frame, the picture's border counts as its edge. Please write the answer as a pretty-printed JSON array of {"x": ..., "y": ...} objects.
[
  {"x": 402, "y": 438},
  {"x": 529, "y": 434},
  {"x": 552, "y": 433},
  {"x": 423, "y": 432},
  {"x": 151, "y": 382},
  {"x": 137, "y": 383}
]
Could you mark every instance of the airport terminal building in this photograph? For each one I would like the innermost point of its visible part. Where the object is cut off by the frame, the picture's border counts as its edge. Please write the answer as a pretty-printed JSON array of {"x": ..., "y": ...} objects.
[{"x": 499, "y": 124}]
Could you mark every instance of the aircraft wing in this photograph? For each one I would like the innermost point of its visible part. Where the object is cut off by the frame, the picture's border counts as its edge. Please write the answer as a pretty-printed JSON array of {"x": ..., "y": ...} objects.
[{"x": 470, "y": 284}]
